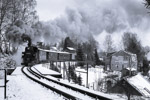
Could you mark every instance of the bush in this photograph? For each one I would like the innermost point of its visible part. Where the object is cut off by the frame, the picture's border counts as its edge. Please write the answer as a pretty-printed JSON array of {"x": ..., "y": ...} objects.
[{"x": 7, "y": 62}]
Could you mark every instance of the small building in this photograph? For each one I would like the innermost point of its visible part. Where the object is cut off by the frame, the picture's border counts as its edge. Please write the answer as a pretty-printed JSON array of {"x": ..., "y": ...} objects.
[
  {"x": 135, "y": 85},
  {"x": 120, "y": 60},
  {"x": 53, "y": 48},
  {"x": 129, "y": 72},
  {"x": 72, "y": 51}
]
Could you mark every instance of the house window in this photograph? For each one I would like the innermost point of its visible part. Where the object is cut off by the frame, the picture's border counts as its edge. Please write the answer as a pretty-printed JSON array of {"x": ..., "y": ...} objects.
[
  {"x": 117, "y": 58},
  {"x": 122, "y": 66},
  {"x": 117, "y": 66},
  {"x": 125, "y": 57}
]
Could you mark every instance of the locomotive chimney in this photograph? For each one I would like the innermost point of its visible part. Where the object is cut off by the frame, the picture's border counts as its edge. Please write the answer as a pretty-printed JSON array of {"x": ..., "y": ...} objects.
[{"x": 27, "y": 38}]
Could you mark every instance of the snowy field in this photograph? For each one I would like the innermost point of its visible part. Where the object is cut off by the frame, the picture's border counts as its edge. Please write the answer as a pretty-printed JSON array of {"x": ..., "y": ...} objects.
[
  {"x": 94, "y": 74},
  {"x": 20, "y": 87}
]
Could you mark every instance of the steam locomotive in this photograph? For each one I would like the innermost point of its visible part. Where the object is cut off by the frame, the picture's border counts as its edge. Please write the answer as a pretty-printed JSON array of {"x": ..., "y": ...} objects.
[
  {"x": 34, "y": 55},
  {"x": 29, "y": 56}
]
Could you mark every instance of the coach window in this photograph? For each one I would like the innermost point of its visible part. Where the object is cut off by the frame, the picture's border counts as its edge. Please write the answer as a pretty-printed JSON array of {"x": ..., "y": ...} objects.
[{"x": 117, "y": 65}]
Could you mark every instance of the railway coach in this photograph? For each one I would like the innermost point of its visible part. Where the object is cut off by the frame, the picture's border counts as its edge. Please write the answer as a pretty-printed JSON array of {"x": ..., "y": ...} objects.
[
  {"x": 49, "y": 55},
  {"x": 33, "y": 55}
]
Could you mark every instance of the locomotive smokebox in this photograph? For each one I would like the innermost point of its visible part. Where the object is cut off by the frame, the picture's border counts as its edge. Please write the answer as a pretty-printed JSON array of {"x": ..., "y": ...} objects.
[{"x": 26, "y": 38}]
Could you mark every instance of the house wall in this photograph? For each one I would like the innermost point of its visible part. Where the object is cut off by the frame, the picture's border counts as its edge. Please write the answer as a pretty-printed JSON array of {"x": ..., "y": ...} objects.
[
  {"x": 73, "y": 56},
  {"x": 122, "y": 60},
  {"x": 119, "y": 62},
  {"x": 107, "y": 63}
]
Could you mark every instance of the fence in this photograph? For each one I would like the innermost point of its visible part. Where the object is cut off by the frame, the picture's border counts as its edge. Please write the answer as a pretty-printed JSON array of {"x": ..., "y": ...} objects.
[
  {"x": 3, "y": 79},
  {"x": 86, "y": 65}
]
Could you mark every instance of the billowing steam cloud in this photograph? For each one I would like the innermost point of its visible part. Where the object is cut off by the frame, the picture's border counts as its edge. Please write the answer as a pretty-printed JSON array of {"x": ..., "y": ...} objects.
[
  {"x": 97, "y": 17},
  {"x": 16, "y": 33},
  {"x": 88, "y": 19}
]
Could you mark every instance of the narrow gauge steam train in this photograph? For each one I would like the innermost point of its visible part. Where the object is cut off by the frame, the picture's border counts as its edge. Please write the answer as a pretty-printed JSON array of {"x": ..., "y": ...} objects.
[{"x": 33, "y": 55}]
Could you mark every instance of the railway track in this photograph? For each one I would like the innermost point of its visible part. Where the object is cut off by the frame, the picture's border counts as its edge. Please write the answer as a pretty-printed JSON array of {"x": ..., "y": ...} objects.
[
  {"x": 68, "y": 93},
  {"x": 84, "y": 92},
  {"x": 73, "y": 93}
]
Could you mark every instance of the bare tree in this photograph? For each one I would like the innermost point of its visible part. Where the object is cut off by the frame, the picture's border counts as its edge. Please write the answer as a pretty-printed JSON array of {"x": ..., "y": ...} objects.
[
  {"x": 108, "y": 44},
  {"x": 12, "y": 11},
  {"x": 147, "y": 4},
  {"x": 133, "y": 45},
  {"x": 5, "y": 6}
]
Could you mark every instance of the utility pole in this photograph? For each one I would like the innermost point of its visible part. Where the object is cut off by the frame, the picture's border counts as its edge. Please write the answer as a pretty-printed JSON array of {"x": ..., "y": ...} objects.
[
  {"x": 5, "y": 83},
  {"x": 87, "y": 76},
  {"x": 69, "y": 70},
  {"x": 130, "y": 65}
]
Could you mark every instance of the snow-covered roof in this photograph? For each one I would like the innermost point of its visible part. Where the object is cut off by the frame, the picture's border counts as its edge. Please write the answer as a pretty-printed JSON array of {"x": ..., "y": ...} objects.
[
  {"x": 140, "y": 84},
  {"x": 129, "y": 53},
  {"x": 148, "y": 56},
  {"x": 70, "y": 48},
  {"x": 54, "y": 48},
  {"x": 132, "y": 69},
  {"x": 53, "y": 51}
]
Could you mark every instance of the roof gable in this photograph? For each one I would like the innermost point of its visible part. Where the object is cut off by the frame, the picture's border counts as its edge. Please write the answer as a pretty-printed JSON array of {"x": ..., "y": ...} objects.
[
  {"x": 140, "y": 84},
  {"x": 122, "y": 53}
]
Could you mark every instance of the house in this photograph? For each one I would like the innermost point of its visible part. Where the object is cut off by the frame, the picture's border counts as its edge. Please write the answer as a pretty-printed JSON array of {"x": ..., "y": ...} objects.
[
  {"x": 135, "y": 85},
  {"x": 72, "y": 51},
  {"x": 119, "y": 60},
  {"x": 53, "y": 48}
]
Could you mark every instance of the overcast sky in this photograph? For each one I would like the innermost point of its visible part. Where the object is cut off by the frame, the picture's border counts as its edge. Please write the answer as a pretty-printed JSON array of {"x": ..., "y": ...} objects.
[
  {"x": 98, "y": 17},
  {"x": 50, "y": 9}
]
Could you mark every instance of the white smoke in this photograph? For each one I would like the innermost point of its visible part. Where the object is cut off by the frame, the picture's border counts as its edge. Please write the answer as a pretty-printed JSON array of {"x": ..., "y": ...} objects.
[
  {"x": 95, "y": 17},
  {"x": 18, "y": 55}
]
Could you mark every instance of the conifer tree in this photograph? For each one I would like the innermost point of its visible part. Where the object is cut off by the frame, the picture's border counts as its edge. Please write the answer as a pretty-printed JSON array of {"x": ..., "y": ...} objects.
[
  {"x": 79, "y": 80},
  {"x": 97, "y": 61},
  {"x": 73, "y": 74},
  {"x": 68, "y": 43},
  {"x": 80, "y": 55}
]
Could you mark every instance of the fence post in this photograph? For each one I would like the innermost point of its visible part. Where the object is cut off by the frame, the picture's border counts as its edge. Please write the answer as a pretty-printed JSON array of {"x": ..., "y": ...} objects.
[
  {"x": 63, "y": 70},
  {"x": 87, "y": 76},
  {"x": 60, "y": 66},
  {"x": 5, "y": 84},
  {"x": 69, "y": 70}
]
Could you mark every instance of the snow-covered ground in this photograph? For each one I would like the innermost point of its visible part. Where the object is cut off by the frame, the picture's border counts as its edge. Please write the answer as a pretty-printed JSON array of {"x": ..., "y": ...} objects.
[
  {"x": 20, "y": 87},
  {"x": 94, "y": 75},
  {"x": 45, "y": 71},
  {"x": 112, "y": 96},
  {"x": 62, "y": 88}
]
